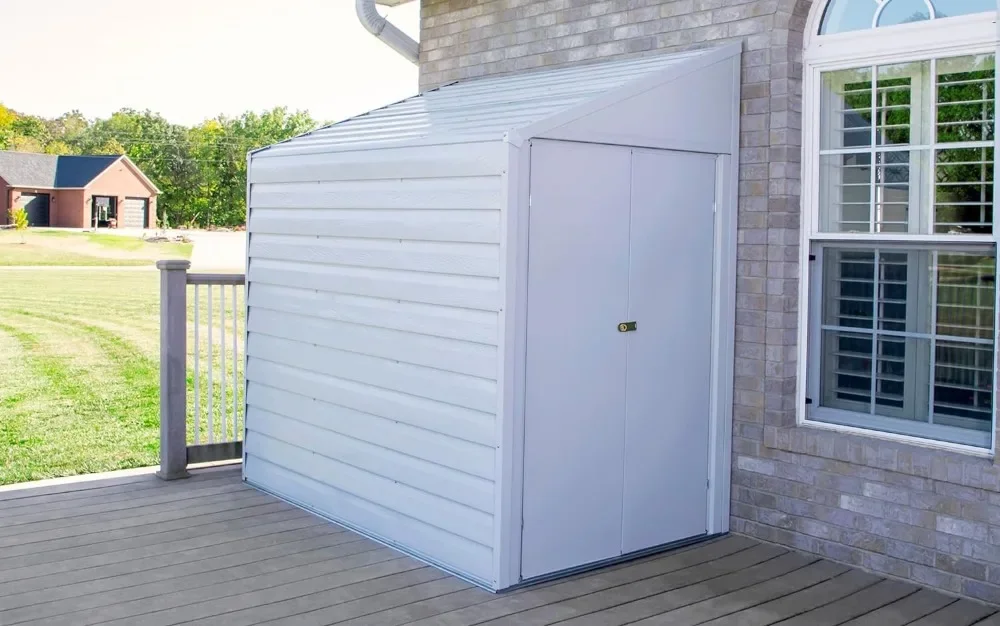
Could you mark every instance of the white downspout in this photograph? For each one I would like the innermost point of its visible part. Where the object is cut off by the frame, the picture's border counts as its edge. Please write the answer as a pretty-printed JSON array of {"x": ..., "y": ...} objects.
[{"x": 388, "y": 33}]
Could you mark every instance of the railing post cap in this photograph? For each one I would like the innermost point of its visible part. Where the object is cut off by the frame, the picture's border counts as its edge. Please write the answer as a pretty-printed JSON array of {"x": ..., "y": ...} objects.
[{"x": 173, "y": 264}]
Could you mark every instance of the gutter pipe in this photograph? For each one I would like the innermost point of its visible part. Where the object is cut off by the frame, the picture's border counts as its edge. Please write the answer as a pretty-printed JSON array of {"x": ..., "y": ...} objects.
[{"x": 387, "y": 32}]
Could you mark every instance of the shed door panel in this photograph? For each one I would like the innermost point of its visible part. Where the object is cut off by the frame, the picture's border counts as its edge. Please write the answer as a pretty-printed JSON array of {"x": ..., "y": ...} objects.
[
  {"x": 37, "y": 208},
  {"x": 669, "y": 354},
  {"x": 135, "y": 212},
  {"x": 575, "y": 369}
]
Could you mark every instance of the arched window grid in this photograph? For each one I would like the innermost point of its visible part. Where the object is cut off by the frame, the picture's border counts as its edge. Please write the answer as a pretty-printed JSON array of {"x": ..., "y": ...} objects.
[{"x": 853, "y": 15}]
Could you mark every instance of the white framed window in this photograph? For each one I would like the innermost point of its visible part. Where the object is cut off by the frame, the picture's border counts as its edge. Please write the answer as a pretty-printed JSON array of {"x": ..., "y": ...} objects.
[{"x": 899, "y": 305}]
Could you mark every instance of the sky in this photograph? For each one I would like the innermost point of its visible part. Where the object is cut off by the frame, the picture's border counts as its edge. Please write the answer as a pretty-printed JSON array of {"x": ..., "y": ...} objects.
[{"x": 191, "y": 60}]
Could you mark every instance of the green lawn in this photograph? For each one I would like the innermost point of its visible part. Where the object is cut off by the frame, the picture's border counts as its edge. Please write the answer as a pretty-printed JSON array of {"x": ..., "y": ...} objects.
[
  {"x": 79, "y": 373},
  {"x": 61, "y": 247}
]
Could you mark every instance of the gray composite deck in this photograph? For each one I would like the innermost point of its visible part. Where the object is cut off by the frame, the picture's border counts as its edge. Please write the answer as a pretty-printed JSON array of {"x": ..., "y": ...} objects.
[{"x": 210, "y": 550}]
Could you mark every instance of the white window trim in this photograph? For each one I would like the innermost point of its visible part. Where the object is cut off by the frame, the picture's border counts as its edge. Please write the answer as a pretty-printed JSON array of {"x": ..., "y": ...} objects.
[{"x": 957, "y": 36}]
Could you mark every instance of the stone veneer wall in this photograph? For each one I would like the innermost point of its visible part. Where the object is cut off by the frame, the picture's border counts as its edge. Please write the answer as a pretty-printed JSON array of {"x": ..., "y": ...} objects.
[{"x": 907, "y": 511}]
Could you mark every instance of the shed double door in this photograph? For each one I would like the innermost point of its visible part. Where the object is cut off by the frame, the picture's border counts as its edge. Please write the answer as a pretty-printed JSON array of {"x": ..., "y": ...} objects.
[{"x": 616, "y": 425}]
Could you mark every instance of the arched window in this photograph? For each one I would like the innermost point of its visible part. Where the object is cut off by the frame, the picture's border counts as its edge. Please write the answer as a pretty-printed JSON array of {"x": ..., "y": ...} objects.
[
  {"x": 846, "y": 15},
  {"x": 899, "y": 300}
]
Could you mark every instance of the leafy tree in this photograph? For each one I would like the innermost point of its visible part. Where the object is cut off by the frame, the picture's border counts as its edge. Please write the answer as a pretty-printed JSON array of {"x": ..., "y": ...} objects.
[
  {"x": 221, "y": 146},
  {"x": 19, "y": 218},
  {"x": 7, "y": 118}
]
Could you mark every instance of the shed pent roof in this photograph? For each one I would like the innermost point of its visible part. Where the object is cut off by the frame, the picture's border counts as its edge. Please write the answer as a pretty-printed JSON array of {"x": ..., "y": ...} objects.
[{"x": 487, "y": 108}]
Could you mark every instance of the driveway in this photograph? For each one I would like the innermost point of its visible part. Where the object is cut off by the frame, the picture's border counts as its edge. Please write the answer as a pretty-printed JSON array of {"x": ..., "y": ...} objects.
[{"x": 218, "y": 251}]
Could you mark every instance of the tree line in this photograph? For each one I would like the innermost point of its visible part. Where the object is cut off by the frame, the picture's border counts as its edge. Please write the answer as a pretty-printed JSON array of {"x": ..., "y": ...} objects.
[{"x": 200, "y": 170}]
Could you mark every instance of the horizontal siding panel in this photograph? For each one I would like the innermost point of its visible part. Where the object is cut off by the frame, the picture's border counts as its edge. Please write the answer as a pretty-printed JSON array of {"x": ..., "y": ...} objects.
[
  {"x": 423, "y": 319},
  {"x": 424, "y": 540},
  {"x": 450, "y": 355},
  {"x": 446, "y": 193},
  {"x": 446, "y": 419},
  {"x": 473, "y": 226},
  {"x": 467, "y": 467},
  {"x": 473, "y": 292},
  {"x": 457, "y": 519},
  {"x": 466, "y": 391},
  {"x": 444, "y": 290},
  {"x": 432, "y": 479},
  {"x": 464, "y": 259},
  {"x": 453, "y": 160}
]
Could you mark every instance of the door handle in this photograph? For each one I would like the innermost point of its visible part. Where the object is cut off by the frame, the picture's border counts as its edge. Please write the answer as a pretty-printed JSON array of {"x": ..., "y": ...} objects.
[{"x": 626, "y": 327}]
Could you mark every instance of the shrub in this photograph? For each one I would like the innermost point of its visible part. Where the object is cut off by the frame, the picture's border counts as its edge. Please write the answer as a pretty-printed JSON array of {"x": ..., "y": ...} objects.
[{"x": 19, "y": 219}]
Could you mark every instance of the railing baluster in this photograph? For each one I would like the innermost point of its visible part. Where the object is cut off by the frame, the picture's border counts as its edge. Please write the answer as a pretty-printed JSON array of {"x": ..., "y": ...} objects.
[
  {"x": 197, "y": 358},
  {"x": 222, "y": 442},
  {"x": 223, "y": 405},
  {"x": 236, "y": 325},
  {"x": 211, "y": 365}
]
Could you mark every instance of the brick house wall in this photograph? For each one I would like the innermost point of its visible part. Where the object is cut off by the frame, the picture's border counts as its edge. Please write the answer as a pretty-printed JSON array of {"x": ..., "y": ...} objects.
[
  {"x": 908, "y": 511},
  {"x": 121, "y": 182},
  {"x": 73, "y": 212},
  {"x": 4, "y": 199},
  {"x": 10, "y": 196}
]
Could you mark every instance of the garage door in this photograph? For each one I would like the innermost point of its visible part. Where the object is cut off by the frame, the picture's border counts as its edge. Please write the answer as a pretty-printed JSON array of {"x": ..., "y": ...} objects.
[
  {"x": 37, "y": 206},
  {"x": 135, "y": 213}
]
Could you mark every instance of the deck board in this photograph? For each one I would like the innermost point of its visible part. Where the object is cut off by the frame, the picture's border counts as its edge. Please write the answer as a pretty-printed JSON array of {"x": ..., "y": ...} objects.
[{"x": 209, "y": 550}]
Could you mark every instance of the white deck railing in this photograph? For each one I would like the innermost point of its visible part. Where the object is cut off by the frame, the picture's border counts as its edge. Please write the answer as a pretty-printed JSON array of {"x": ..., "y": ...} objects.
[{"x": 201, "y": 367}]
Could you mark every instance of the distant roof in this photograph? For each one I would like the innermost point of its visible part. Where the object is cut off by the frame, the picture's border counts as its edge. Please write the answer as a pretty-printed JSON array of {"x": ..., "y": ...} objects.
[{"x": 25, "y": 169}]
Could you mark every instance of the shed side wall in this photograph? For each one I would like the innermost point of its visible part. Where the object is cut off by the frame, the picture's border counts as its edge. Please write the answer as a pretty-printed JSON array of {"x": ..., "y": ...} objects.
[{"x": 372, "y": 358}]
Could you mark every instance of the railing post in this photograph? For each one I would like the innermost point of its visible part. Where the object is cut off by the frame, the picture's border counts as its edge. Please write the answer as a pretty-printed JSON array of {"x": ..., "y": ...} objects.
[{"x": 173, "y": 368}]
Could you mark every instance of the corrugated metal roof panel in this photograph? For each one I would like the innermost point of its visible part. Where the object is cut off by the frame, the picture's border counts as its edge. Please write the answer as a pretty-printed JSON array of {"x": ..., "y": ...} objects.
[{"x": 482, "y": 108}]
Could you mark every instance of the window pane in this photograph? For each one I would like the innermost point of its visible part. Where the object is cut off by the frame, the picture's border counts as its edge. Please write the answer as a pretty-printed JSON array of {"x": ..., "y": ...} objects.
[
  {"x": 966, "y": 99},
  {"x": 850, "y": 191},
  {"x": 849, "y": 284},
  {"x": 892, "y": 192},
  {"x": 846, "y": 192},
  {"x": 904, "y": 12},
  {"x": 963, "y": 191},
  {"x": 907, "y": 340},
  {"x": 954, "y": 8},
  {"x": 963, "y": 385},
  {"x": 966, "y": 293},
  {"x": 847, "y": 371},
  {"x": 846, "y": 109},
  {"x": 902, "y": 103},
  {"x": 846, "y": 15}
]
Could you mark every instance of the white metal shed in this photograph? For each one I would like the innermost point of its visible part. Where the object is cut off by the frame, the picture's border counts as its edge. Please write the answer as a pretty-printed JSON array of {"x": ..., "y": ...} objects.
[{"x": 492, "y": 325}]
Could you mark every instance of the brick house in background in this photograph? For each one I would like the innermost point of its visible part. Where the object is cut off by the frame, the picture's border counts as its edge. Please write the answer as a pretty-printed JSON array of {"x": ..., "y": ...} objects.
[
  {"x": 77, "y": 191},
  {"x": 864, "y": 418}
]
